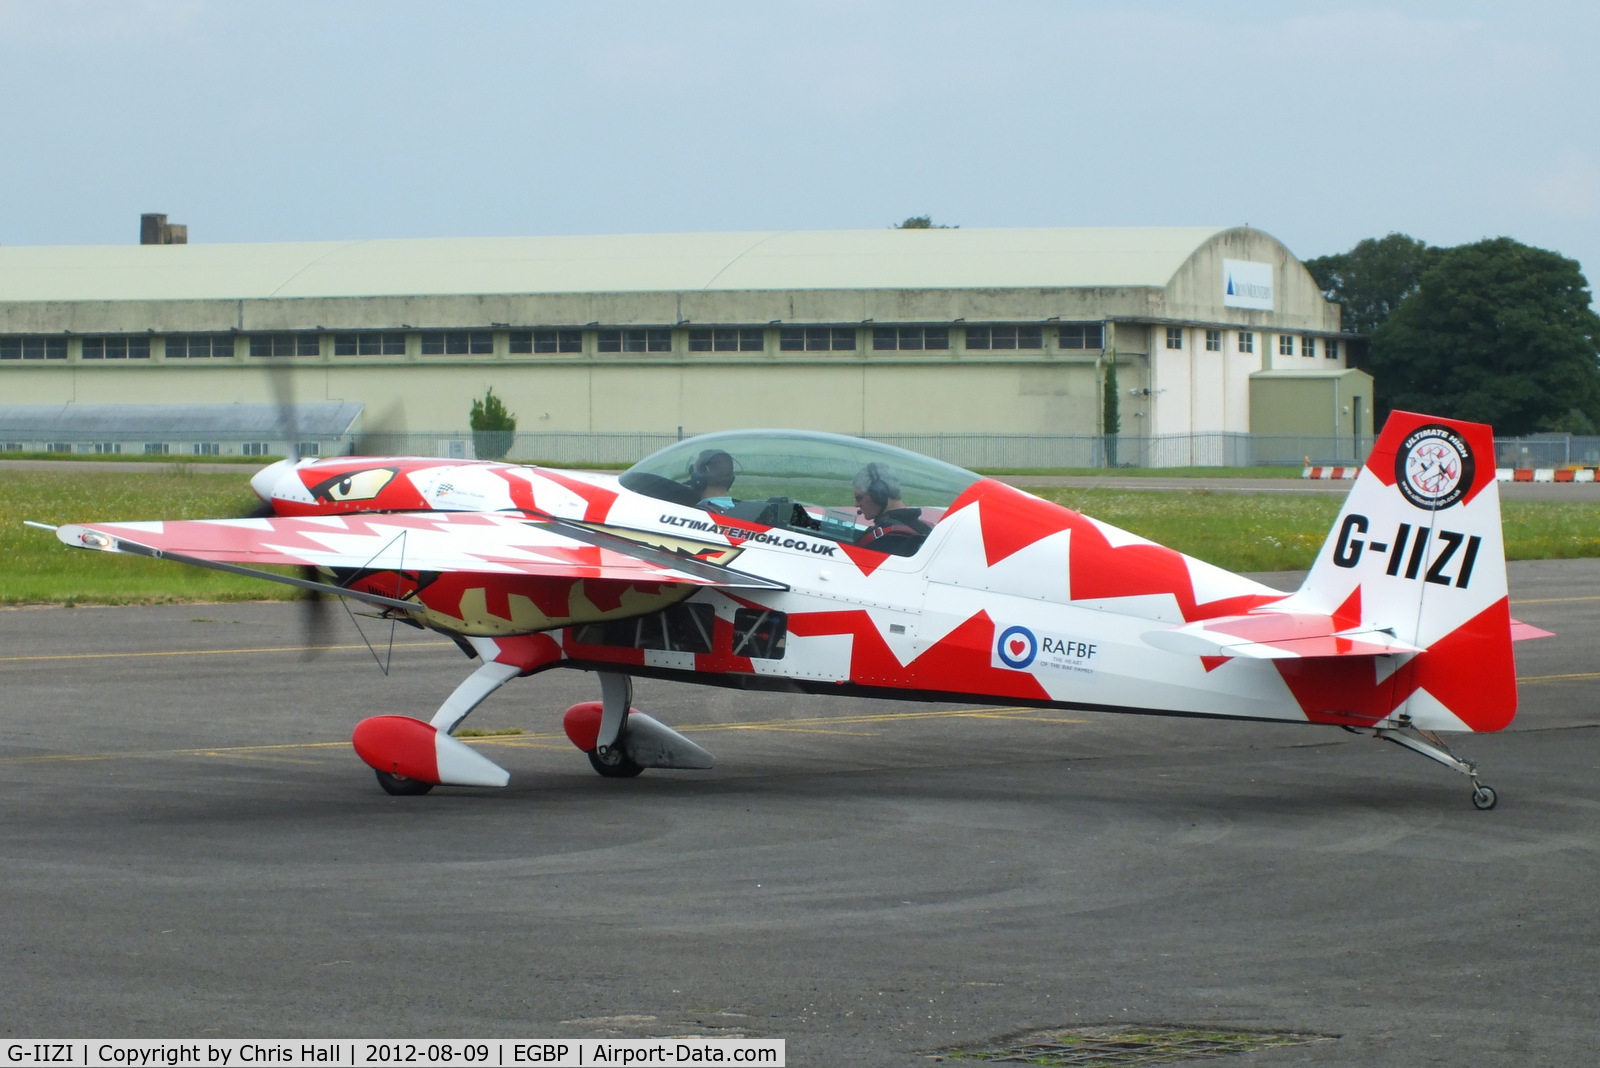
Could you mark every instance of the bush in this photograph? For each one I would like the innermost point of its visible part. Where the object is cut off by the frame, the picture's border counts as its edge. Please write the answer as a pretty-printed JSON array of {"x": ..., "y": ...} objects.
[{"x": 493, "y": 427}]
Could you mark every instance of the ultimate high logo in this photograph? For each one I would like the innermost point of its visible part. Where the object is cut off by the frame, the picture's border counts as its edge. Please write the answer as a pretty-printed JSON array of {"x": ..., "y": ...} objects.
[
  {"x": 1017, "y": 647},
  {"x": 1434, "y": 467}
]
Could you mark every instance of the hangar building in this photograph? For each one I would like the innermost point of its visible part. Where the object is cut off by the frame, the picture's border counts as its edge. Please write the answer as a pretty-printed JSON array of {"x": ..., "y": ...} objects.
[{"x": 877, "y": 333}]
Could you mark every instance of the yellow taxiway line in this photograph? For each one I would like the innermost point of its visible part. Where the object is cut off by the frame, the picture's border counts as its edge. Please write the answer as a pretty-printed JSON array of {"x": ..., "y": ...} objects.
[
  {"x": 215, "y": 652},
  {"x": 1530, "y": 679},
  {"x": 541, "y": 740}
]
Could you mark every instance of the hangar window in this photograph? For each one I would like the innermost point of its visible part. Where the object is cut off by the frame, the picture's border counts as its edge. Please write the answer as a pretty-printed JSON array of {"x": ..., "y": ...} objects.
[
  {"x": 1247, "y": 341},
  {"x": 33, "y": 348},
  {"x": 207, "y": 448},
  {"x": 254, "y": 448},
  {"x": 817, "y": 339},
  {"x": 157, "y": 448},
  {"x": 910, "y": 338},
  {"x": 637, "y": 340},
  {"x": 108, "y": 448},
  {"x": 285, "y": 345},
  {"x": 1005, "y": 337},
  {"x": 728, "y": 339},
  {"x": 1285, "y": 344},
  {"x": 1308, "y": 346},
  {"x": 1331, "y": 348},
  {"x": 199, "y": 346},
  {"x": 458, "y": 343},
  {"x": 1213, "y": 340},
  {"x": 369, "y": 343},
  {"x": 1082, "y": 336},
  {"x": 529, "y": 341},
  {"x": 114, "y": 348}
]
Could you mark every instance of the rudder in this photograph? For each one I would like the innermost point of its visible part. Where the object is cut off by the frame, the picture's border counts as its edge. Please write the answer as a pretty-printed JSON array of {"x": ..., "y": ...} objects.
[{"x": 1417, "y": 549}]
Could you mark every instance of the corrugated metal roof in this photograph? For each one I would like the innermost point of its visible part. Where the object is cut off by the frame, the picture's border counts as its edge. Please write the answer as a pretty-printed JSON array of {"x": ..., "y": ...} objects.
[
  {"x": 317, "y": 419},
  {"x": 834, "y": 259}
]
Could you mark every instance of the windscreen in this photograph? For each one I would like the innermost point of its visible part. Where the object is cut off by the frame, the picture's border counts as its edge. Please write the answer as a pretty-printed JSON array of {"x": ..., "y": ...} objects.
[{"x": 846, "y": 489}]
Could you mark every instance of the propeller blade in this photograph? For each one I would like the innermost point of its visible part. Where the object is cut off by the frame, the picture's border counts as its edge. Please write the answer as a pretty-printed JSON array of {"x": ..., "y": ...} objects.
[
  {"x": 281, "y": 378},
  {"x": 316, "y": 622}
]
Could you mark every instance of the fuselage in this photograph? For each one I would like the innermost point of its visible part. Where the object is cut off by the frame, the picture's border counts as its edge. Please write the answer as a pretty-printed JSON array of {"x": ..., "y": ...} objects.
[{"x": 1011, "y": 599}]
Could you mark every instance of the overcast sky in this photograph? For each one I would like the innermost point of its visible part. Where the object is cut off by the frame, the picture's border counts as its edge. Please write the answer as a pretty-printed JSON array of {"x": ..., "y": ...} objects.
[{"x": 1321, "y": 123}]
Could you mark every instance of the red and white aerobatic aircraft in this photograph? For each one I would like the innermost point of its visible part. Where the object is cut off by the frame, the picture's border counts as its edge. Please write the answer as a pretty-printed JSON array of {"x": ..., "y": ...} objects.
[{"x": 798, "y": 561}]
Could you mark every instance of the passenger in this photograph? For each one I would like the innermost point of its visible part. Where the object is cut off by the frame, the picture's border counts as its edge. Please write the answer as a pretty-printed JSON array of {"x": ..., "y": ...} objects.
[
  {"x": 711, "y": 478},
  {"x": 892, "y": 527}
]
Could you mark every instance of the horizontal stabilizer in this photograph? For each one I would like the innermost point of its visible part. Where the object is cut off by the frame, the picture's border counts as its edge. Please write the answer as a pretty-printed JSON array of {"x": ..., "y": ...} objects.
[
  {"x": 1271, "y": 635},
  {"x": 1522, "y": 632}
]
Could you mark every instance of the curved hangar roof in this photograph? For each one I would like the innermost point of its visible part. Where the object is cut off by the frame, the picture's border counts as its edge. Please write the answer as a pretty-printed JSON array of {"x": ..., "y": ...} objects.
[{"x": 638, "y": 263}]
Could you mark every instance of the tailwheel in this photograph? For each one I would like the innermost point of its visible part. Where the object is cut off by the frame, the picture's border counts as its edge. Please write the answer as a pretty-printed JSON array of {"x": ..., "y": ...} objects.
[
  {"x": 1483, "y": 797},
  {"x": 615, "y": 764},
  {"x": 400, "y": 786}
]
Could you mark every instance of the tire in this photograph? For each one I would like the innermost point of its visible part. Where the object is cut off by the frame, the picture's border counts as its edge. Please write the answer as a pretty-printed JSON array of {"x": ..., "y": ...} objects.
[
  {"x": 400, "y": 786},
  {"x": 621, "y": 768},
  {"x": 1484, "y": 798}
]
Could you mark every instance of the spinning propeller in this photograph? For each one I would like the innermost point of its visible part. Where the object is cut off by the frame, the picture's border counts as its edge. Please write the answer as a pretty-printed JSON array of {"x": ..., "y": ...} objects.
[{"x": 316, "y": 625}]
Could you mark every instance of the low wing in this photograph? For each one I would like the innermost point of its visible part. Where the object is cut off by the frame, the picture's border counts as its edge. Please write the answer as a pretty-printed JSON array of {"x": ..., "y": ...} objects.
[{"x": 478, "y": 542}]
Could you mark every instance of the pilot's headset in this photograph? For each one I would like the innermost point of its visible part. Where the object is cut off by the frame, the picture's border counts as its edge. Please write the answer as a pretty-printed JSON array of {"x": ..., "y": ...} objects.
[
  {"x": 708, "y": 467},
  {"x": 882, "y": 485}
]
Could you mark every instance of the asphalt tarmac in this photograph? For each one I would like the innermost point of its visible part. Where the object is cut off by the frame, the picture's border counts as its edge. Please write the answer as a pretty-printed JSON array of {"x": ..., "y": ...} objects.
[{"x": 189, "y": 848}]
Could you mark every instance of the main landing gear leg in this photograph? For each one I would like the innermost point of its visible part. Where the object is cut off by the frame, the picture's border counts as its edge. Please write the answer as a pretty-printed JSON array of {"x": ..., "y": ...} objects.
[
  {"x": 470, "y": 694},
  {"x": 1433, "y": 747},
  {"x": 608, "y": 757}
]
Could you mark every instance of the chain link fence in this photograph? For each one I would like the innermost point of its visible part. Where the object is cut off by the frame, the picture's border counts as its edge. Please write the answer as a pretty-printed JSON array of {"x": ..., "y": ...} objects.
[
  {"x": 1019, "y": 452},
  {"x": 1547, "y": 450}
]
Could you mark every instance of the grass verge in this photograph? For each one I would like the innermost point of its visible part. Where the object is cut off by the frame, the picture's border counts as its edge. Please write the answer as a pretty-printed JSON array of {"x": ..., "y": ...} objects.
[
  {"x": 139, "y": 458},
  {"x": 36, "y": 568},
  {"x": 1149, "y": 472},
  {"x": 1256, "y": 532},
  {"x": 1271, "y": 532}
]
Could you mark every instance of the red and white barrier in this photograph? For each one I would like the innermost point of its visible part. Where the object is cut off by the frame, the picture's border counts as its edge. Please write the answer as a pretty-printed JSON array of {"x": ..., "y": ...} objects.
[
  {"x": 1502, "y": 474},
  {"x": 1545, "y": 474}
]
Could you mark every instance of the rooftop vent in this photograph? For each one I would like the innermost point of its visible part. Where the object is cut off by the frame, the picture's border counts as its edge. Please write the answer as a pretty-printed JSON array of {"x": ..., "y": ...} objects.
[{"x": 155, "y": 230}]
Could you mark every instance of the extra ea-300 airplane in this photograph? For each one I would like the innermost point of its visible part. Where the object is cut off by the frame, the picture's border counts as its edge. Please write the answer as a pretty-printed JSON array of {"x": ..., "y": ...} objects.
[{"x": 814, "y": 563}]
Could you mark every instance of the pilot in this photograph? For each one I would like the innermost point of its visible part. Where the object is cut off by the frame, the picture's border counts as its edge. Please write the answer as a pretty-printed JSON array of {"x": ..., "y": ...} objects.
[
  {"x": 892, "y": 527},
  {"x": 711, "y": 478}
]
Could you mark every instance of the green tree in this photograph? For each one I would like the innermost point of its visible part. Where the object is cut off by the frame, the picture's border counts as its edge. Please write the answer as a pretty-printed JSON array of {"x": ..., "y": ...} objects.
[
  {"x": 1111, "y": 410},
  {"x": 493, "y": 427},
  {"x": 1497, "y": 332},
  {"x": 922, "y": 222},
  {"x": 1371, "y": 280}
]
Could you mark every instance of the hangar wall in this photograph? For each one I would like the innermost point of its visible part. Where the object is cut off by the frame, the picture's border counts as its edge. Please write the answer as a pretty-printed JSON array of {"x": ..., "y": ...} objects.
[{"x": 859, "y": 332}]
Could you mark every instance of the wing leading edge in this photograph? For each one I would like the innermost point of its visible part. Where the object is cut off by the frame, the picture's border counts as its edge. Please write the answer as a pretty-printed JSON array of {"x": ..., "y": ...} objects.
[{"x": 483, "y": 543}]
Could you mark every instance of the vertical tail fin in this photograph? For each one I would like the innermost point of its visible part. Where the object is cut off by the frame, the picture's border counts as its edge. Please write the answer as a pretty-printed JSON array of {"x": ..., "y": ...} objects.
[{"x": 1417, "y": 549}]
